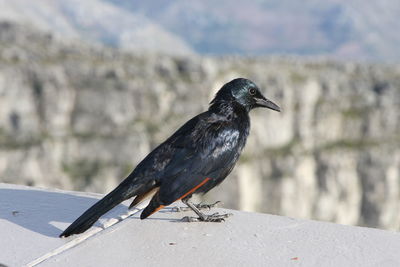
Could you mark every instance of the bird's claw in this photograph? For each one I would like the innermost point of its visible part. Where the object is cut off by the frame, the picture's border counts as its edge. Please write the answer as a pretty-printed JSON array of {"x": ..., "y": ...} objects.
[
  {"x": 216, "y": 217},
  {"x": 207, "y": 206}
]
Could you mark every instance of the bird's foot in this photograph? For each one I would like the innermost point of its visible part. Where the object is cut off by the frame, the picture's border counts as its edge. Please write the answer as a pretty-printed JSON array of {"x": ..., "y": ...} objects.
[
  {"x": 200, "y": 206},
  {"x": 216, "y": 217}
]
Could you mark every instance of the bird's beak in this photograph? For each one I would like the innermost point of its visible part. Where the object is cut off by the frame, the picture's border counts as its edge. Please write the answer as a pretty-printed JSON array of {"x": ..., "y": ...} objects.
[{"x": 265, "y": 103}]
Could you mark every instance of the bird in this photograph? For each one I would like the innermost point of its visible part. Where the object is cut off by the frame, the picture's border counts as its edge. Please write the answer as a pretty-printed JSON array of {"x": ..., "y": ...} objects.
[{"x": 193, "y": 160}]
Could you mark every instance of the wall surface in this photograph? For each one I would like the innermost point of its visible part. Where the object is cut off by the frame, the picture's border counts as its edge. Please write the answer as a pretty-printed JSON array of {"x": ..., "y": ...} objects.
[{"x": 32, "y": 218}]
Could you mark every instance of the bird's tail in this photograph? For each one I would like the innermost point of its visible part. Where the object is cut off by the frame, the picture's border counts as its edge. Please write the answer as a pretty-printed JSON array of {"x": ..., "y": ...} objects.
[{"x": 89, "y": 217}]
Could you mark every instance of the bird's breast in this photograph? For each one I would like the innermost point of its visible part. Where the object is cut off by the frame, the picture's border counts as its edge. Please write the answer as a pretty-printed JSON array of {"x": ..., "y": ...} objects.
[{"x": 227, "y": 141}]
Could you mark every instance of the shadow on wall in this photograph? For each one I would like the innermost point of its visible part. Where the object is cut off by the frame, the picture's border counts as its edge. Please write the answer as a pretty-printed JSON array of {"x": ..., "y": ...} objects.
[{"x": 35, "y": 209}]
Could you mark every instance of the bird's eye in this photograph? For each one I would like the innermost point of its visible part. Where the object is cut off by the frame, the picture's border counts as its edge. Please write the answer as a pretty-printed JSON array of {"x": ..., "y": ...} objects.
[{"x": 252, "y": 91}]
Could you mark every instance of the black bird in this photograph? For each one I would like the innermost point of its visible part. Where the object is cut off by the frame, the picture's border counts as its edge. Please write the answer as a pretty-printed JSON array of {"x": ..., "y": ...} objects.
[{"x": 196, "y": 158}]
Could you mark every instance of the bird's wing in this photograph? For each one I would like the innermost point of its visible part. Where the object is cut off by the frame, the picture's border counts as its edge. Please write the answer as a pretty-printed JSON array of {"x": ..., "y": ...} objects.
[
  {"x": 202, "y": 152},
  {"x": 153, "y": 166}
]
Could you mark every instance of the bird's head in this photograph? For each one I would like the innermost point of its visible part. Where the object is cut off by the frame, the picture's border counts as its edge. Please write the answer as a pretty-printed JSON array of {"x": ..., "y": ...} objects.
[{"x": 244, "y": 92}]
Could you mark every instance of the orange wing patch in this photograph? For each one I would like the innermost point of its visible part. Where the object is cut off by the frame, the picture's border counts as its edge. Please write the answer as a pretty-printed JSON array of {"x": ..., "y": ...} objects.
[
  {"x": 157, "y": 209},
  {"x": 194, "y": 188}
]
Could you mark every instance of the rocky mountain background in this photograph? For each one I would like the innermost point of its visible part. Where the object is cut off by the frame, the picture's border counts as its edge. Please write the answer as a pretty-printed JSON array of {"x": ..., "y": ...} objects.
[{"x": 78, "y": 116}]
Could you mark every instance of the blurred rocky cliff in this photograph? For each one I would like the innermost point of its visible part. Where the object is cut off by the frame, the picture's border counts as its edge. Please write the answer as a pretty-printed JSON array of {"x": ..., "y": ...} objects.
[{"x": 74, "y": 116}]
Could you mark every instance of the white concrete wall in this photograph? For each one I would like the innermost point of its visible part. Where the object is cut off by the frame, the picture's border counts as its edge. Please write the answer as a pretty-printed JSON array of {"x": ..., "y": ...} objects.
[{"x": 31, "y": 220}]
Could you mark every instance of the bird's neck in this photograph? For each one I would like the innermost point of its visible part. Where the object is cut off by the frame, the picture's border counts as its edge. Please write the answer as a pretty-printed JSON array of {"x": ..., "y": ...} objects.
[{"x": 230, "y": 109}]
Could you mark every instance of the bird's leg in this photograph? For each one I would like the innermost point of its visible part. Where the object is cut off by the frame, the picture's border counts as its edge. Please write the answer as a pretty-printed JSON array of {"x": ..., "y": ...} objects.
[
  {"x": 200, "y": 206},
  {"x": 203, "y": 217}
]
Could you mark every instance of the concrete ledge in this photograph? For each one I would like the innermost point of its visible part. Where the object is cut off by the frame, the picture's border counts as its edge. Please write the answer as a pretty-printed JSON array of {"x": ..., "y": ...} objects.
[{"x": 31, "y": 220}]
